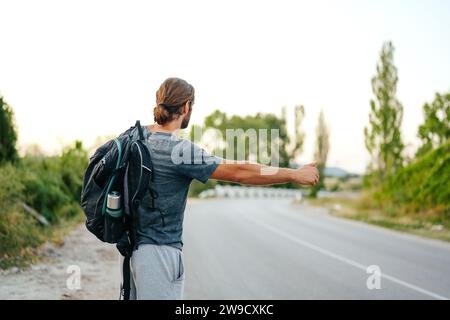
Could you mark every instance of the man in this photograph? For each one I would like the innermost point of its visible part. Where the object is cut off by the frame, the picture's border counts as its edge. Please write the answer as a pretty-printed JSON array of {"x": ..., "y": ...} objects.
[{"x": 157, "y": 265}]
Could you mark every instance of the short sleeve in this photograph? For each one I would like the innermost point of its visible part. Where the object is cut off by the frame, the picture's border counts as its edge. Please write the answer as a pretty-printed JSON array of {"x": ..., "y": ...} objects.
[{"x": 193, "y": 161}]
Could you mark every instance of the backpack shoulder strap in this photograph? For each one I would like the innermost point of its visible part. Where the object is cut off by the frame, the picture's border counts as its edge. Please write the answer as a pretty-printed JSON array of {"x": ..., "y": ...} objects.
[{"x": 139, "y": 128}]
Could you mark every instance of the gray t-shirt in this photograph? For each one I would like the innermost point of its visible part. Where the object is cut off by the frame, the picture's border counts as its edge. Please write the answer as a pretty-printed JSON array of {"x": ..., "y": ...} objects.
[{"x": 176, "y": 162}]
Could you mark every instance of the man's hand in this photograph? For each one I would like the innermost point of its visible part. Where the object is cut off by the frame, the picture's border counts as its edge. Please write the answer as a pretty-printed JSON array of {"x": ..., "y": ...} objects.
[{"x": 307, "y": 175}]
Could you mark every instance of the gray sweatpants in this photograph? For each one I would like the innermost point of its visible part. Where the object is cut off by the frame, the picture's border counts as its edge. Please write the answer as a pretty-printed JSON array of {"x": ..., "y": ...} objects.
[{"x": 157, "y": 272}]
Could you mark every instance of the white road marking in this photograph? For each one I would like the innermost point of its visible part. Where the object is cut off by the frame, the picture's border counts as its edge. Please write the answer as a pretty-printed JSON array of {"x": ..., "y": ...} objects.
[{"x": 344, "y": 259}]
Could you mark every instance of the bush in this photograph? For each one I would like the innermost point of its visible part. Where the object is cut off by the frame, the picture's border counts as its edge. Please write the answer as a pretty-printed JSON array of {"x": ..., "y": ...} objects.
[
  {"x": 50, "y": 185},
  {"x": 43, "y": 190},
  {"x": 17, "y": 230},
  {"x": 420, "y": 189},
  {"x": 424, "y": 182},
  {"x": 68, "y": 211},
  {"x": 197, "y": 187}
]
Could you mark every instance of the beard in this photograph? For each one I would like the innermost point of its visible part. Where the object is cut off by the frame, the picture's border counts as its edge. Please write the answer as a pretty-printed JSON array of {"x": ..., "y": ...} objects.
[{"x": 186, "y": 119}]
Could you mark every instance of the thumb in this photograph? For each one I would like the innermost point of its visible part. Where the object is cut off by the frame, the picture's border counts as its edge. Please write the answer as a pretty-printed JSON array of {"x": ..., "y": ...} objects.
[{"x": 312, "y": 164}]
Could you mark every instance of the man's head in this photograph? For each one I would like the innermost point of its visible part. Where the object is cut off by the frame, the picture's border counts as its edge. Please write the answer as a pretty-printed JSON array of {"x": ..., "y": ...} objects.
[{"x": 174, "y": 101}]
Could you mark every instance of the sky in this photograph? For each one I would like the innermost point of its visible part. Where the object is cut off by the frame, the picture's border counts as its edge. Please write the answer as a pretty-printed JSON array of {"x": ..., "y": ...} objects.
[{"x": 83, "y": 69}]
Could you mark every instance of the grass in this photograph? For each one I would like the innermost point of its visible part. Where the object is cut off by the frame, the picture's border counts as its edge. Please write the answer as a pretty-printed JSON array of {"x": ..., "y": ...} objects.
[
  {"x": 21, "y": 256},
  {"x": 427, "y": 224}
]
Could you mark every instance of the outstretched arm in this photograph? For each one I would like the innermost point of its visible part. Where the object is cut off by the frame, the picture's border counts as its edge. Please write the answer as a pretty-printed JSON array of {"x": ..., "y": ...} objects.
[{"x": 257, "y": 174}]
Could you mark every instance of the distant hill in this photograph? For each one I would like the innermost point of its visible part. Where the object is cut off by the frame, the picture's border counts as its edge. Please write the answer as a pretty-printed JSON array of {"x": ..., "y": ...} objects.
[
  {"x": 337, "y": 172},
  {"x": 331, "y": 171}
]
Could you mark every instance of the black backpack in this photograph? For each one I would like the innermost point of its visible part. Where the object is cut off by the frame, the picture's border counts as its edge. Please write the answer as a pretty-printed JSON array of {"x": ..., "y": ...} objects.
[{"x": 122, "y": 165}]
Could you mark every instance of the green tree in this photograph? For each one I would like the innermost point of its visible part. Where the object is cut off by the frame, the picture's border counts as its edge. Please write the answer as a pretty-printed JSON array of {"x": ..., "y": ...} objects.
[
  {"x": 436, "y": 128},
  {"x": 8, "y": 134},
  {"x": 195, "y": 133},
  {"x": 321, "y": 152},
  {"x": 299, "y": 134},
  {"x": 220, "y": 121},
  {"x": 73, "y": 162},
  {"x": 383, "y": 135}
]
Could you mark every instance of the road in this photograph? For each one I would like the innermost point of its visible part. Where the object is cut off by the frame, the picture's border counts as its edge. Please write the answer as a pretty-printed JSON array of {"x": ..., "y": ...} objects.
[
  {"x": 256, "y": 249},
  {"x": 273, "y": 249}
]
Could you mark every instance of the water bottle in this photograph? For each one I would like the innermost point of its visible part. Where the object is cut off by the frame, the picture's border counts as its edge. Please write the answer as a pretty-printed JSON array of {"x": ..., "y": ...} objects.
[
  {"x": 113, "y": 207},
  {"x": 114, "y": 226}
]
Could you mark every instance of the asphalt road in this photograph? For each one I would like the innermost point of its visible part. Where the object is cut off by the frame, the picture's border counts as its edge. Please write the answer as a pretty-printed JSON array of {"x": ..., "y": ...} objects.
[{"x": 273, "y": 249}]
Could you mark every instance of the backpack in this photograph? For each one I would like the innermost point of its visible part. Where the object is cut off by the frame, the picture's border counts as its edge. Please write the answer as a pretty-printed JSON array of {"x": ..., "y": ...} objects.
[{"x": 121, "y": 170}]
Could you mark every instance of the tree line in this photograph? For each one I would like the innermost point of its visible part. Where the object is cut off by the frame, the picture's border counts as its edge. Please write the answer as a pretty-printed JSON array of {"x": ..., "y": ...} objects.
[{"x": 383, "y": 134}]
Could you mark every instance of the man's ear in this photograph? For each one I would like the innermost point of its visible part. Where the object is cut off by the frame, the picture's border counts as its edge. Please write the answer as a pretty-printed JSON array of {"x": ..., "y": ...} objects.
[{"x": 186, "y": 107}]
